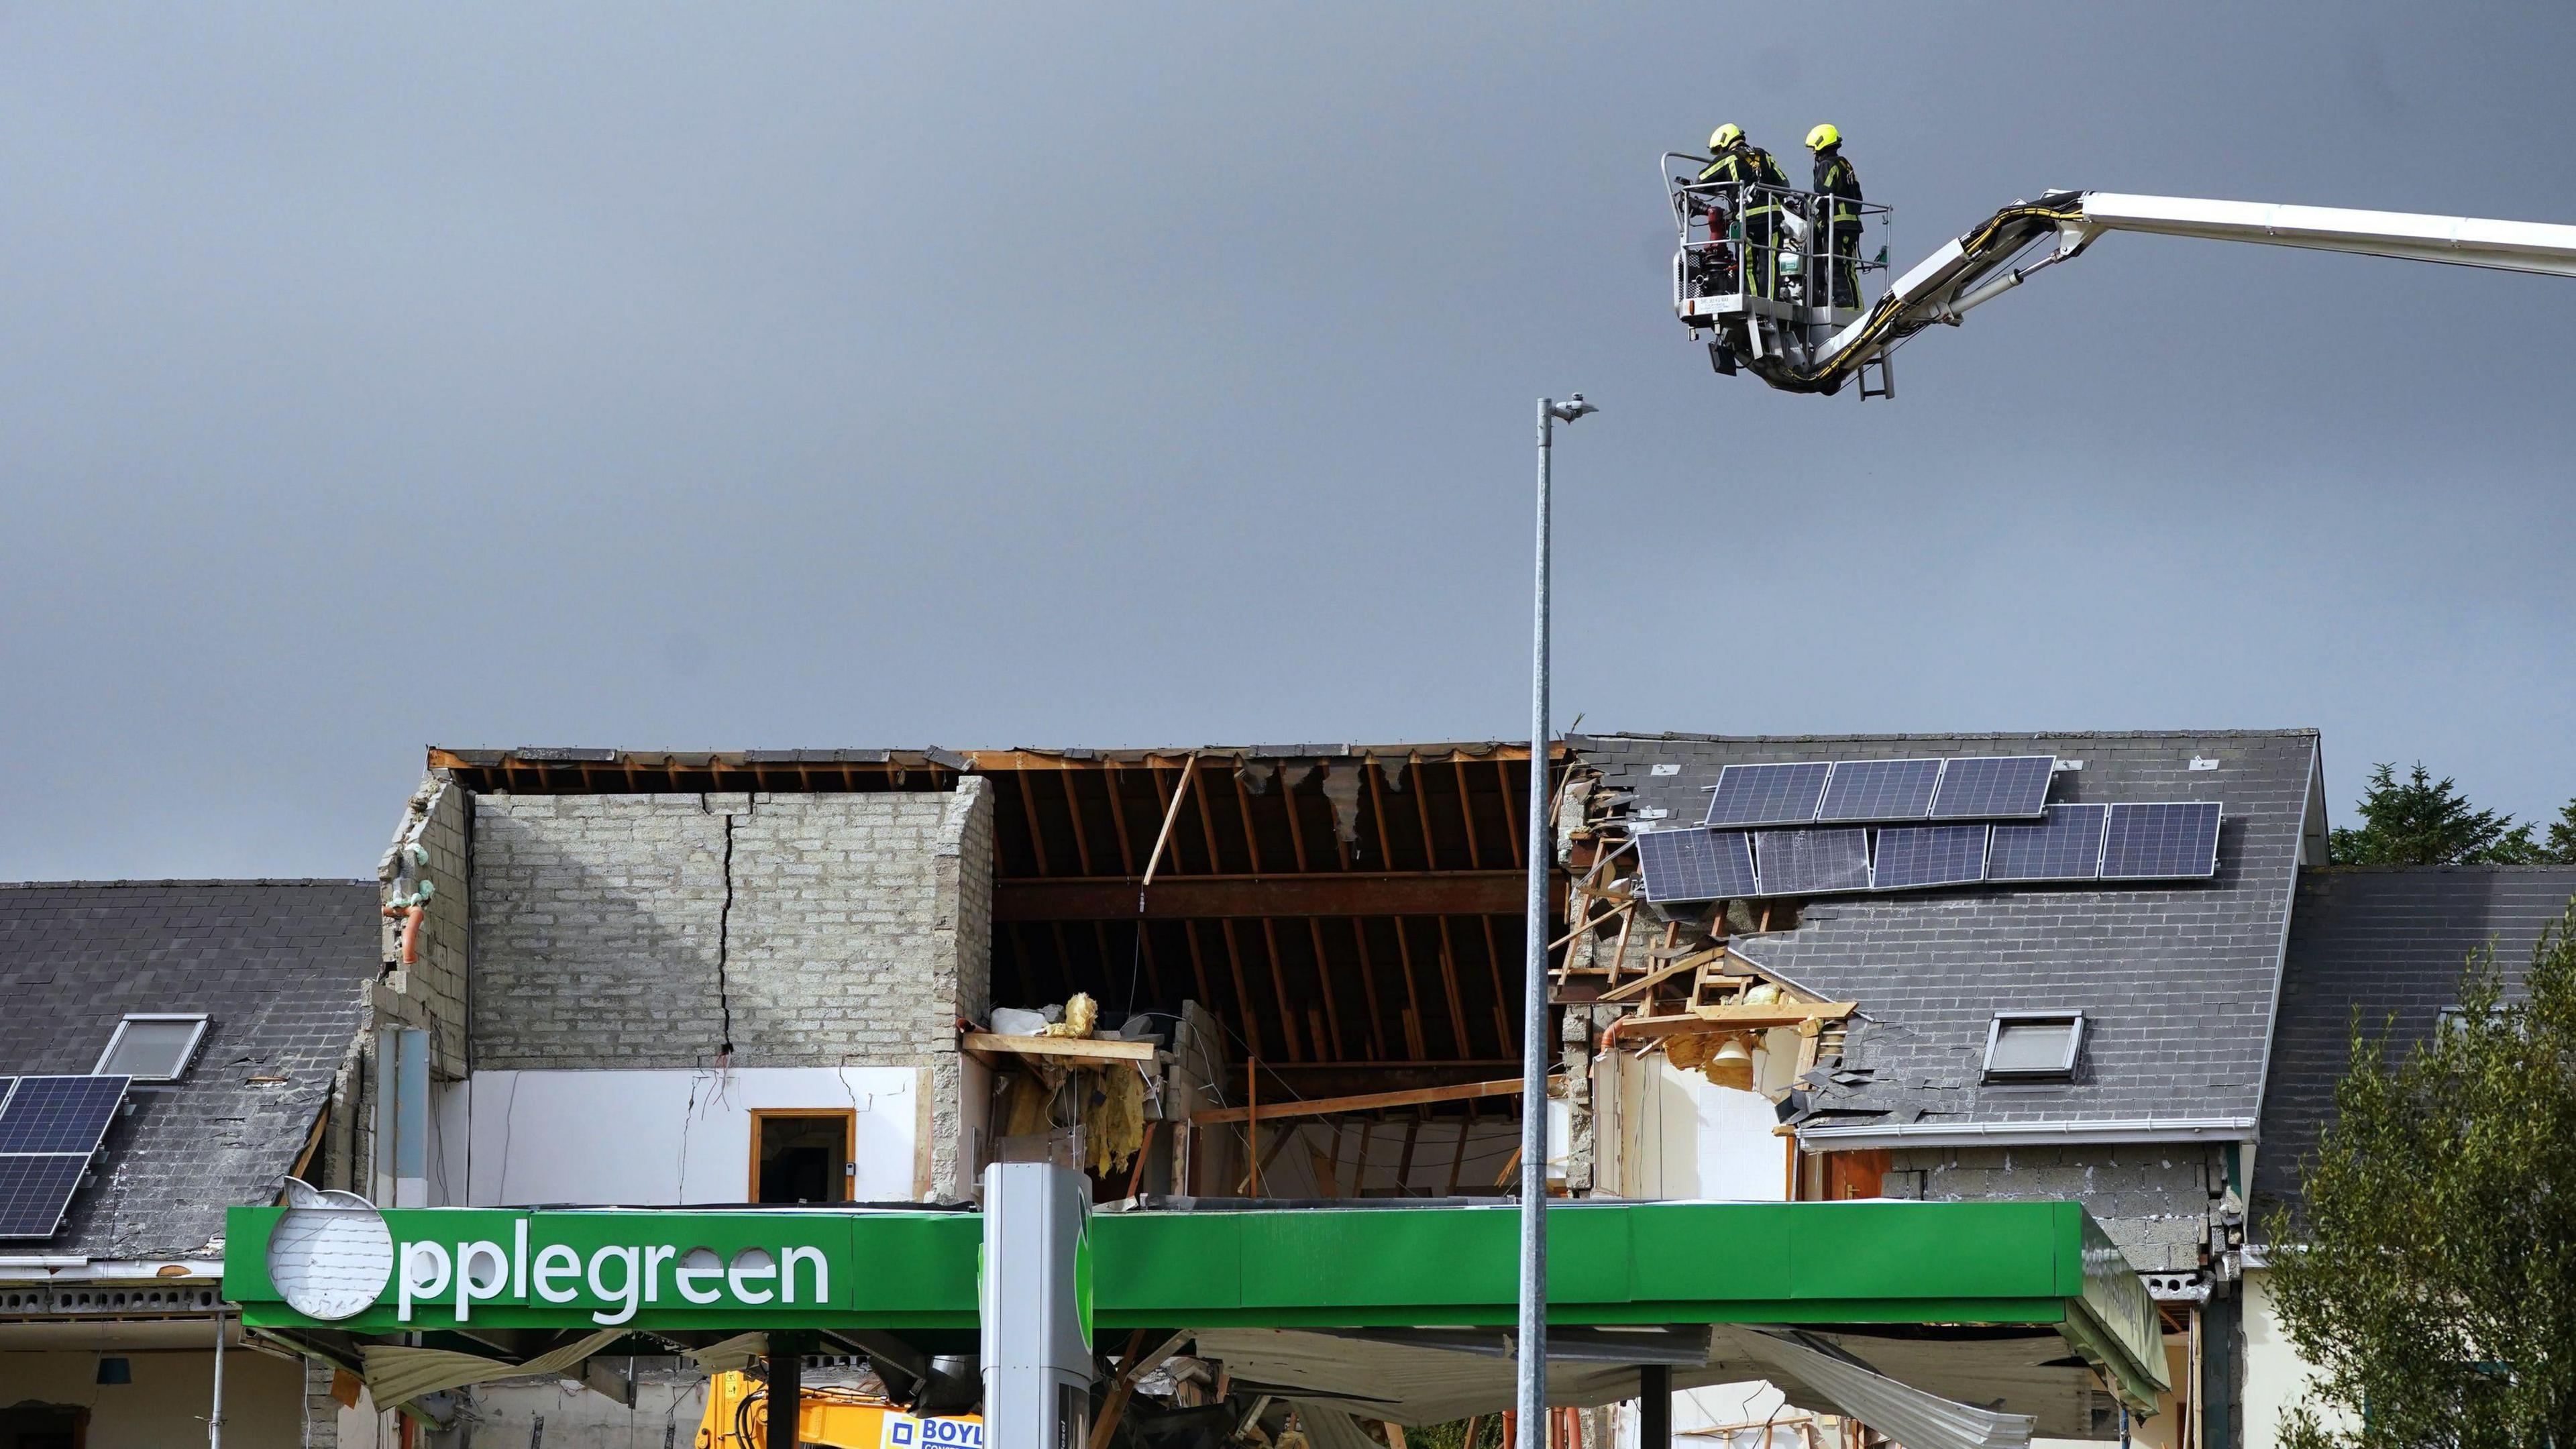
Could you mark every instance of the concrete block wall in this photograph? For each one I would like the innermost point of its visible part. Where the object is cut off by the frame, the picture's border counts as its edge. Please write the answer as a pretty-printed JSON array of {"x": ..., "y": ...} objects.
[
  {"x": 2158, "y": 1203},
  {"x": 826, "y": 929}
]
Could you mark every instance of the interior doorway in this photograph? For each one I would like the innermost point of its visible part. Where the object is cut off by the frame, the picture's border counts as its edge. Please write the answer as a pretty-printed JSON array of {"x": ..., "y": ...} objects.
[{"x": 802, "y": 1156}]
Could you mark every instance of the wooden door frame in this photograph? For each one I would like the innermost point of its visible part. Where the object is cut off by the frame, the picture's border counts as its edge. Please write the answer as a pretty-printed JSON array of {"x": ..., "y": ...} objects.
[{"x": 849, "y": 1119}]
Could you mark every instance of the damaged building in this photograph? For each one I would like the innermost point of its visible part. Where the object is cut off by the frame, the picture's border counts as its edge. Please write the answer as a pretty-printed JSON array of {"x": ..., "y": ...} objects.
[{"x": 1990, "y": 971}]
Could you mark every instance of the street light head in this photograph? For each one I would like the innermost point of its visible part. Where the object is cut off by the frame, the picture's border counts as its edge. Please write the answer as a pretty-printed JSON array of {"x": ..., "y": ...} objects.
[{"x": 1572, "y": 408}]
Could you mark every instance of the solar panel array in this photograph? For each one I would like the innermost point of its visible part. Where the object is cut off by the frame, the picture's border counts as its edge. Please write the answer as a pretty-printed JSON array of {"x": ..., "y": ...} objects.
[
  {"x": 2065, "y": 845},
  {"x": 1880, "y": 790},
  {"x": 49, "y": 1128},
  {"x": 1696, "y": 865},
  {"x": 1861, "y": 792},
  {"x": 1911, "y": 857},
  {"x": 1994, "y": 787},
  {"x": 1812, "y": 862},
  {"x": 1782, "y": 794},
  {"x": 2068, "y": 843},
  {"x": 2161, "y": 842}
]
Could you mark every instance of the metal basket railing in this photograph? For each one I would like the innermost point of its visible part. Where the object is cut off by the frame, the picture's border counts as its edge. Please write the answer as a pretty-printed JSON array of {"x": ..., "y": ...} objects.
[{"x": 1773, "y": 243}]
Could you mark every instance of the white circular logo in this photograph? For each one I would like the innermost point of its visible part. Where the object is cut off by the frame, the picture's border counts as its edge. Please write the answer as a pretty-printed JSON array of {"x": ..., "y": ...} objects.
[{"x": 330, "y": 1255}]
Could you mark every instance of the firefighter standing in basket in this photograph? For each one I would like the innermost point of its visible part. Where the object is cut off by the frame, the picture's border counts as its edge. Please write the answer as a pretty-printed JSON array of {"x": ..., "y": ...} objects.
[
  {"x": 1759, "y": 183},
  {"x": 1838, "y": 212}
]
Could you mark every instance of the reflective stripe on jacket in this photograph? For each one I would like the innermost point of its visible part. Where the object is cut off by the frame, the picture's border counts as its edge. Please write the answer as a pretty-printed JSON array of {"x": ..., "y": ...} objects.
[
  {"x": 1836, "y": 178},
  {"x": 1747, "y": 163}
]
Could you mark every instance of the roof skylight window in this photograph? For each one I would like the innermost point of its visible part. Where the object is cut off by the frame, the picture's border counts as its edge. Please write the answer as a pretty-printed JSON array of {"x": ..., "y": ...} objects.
[
  {"x": 2033, "y": 1045},
  {"x": 152, "y": 1046}
]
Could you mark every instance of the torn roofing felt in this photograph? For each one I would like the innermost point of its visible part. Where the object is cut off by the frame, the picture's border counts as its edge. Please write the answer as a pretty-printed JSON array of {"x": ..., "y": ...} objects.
[
  {"x": 2388, "y": 943},
  {"x": 279, "y": 968},
  {"x": 2177, "y": 981}
]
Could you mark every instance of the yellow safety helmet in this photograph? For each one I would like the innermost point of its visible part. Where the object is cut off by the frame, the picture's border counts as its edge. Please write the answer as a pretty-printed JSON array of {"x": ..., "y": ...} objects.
[
  {"x": 1725, "y": 136},
  {"x": 1823, "y": 136}
]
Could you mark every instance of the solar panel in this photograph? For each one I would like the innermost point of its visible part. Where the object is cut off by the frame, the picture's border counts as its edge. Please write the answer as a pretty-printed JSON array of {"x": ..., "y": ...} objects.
[
  {"x": 1880, "y": 789},
  {"x": 34, "y": 1190},
  {"x": 1994, "y": 787},
  {"x": 1807, "y": 862},
  {"x": 2161, "y": 842},
  {"x": 2065, "y": 845},
  {"x": 1911, "y": 856},
  {"x": 59, "y": 1114},
  {"x": 1695, "y": 865},
  {"x": 1782, "y": 794}
]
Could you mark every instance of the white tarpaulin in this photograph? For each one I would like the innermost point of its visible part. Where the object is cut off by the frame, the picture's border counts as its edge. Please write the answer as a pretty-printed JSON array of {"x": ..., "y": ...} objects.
[
  {"x": 395, "y": 1375},
  {"x": 730, "y": 1355},
  {"x": 1908, "y": 1415}
]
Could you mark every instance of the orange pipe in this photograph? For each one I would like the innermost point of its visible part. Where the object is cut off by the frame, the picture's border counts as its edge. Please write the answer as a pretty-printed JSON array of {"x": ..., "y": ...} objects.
[{"x": 411, "y": 934}]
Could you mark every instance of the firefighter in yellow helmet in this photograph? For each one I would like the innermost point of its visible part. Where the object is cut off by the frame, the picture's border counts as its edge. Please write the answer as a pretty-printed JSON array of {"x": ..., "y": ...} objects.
[
  {"x": 1757, "y": 201},
  {"x": 1838, "y": 212}
]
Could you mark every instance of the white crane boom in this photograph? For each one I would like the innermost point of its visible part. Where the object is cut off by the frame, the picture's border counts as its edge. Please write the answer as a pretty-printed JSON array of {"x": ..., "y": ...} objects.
[
  {"x": 1817, "y": 351},
  {"x": 2466, "y": 241}
]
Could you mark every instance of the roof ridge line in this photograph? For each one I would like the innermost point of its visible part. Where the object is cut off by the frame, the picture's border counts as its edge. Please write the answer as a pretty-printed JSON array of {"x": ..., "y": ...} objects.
[
  {"x": 2305, "y": 732},
  {"x": 138, "y": 881}
]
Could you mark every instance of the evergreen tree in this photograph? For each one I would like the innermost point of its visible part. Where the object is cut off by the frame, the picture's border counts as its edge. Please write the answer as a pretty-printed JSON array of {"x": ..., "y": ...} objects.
[
  {"x": 2432, "y": 1281},
  {"x": 2560, "y": 847},
  {"x": 2418, "y": 821}
]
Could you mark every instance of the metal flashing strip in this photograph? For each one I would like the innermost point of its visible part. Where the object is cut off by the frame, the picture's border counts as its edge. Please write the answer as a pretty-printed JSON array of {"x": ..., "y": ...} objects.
[{"x": 2032, "y": 1134}]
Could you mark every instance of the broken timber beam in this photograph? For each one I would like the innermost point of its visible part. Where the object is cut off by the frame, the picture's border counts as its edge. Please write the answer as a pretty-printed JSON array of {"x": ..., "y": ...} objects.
[
  {"x": 1367, "y": 1102},
  {"x": 1662, "y": 973},
  {"x": 985, "y": 1046},
  {"x": 1736, "y": 1018}
]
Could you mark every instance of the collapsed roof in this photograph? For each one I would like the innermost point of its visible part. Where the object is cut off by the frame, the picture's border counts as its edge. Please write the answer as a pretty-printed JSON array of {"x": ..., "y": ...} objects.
[{"x": 2177, "y": 982}]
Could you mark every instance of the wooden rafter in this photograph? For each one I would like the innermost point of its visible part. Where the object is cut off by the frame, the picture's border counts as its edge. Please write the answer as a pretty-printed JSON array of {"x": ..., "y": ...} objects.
[
  {"x": 1467, "y": 814},
  {"x": 1368, "y": 986},
  {"x": 1279, "y": 989},
  {"x": 1449, "y": 985},
  {"x": 1029, "y": 812},
  {"x": 1511, "y": 828},
  {"x": 1422, "y": 810},
  {"x": 1494, "y": 971},
  {"x": 1365, "y": 1102},
  {"x": 1073, "y": 813},
  {"x": 1324, "y": 984},
  {"x": 1242, "y": 992},
  {"x": 1118, "y": 822}
]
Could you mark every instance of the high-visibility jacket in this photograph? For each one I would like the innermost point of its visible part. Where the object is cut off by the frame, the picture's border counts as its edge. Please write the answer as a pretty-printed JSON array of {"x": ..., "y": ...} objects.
[
  {"x": 1746, "y": 162},
  {"x": 1836, "y": 178}
]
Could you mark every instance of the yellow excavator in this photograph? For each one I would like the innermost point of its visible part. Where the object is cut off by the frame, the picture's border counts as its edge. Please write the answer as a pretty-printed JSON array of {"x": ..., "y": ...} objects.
[{"x": 737, "y": 1417}]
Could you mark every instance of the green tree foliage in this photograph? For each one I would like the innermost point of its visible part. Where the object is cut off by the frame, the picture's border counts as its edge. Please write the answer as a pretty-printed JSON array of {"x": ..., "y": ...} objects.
[
  {"x": 2421, "y": 821},
  {"x": 2560, "y": 847},
  {"x": 2432, "y": 1281},
  {"x": 1453, "y": 1434}
]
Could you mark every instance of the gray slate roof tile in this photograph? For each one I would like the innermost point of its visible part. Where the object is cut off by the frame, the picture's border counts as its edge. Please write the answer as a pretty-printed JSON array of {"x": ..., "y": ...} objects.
[
  {"x": 279, "y": 967},
  {"x": 2388, "y": 943},
  {"x": 2177, "y": 981}
]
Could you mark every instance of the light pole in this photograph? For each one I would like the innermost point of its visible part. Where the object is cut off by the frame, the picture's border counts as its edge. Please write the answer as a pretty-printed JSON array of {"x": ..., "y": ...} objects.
[{"x": 1534, "y": 1043}]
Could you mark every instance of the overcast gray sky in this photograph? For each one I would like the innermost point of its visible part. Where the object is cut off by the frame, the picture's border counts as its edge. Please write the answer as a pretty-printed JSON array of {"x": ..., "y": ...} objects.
[{"x": 809, "y": 375}]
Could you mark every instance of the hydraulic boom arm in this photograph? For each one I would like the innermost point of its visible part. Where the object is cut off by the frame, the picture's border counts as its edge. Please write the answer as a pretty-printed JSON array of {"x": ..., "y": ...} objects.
[{"x": 1987, "y": 261}]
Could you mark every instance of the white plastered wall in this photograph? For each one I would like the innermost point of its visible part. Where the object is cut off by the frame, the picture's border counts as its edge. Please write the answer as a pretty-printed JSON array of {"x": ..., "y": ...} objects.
[
  {"x": 2276, "y": 1378},
  {"x": 1675, "y": 1135},
  {"x": 661, "y": 1137}
]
